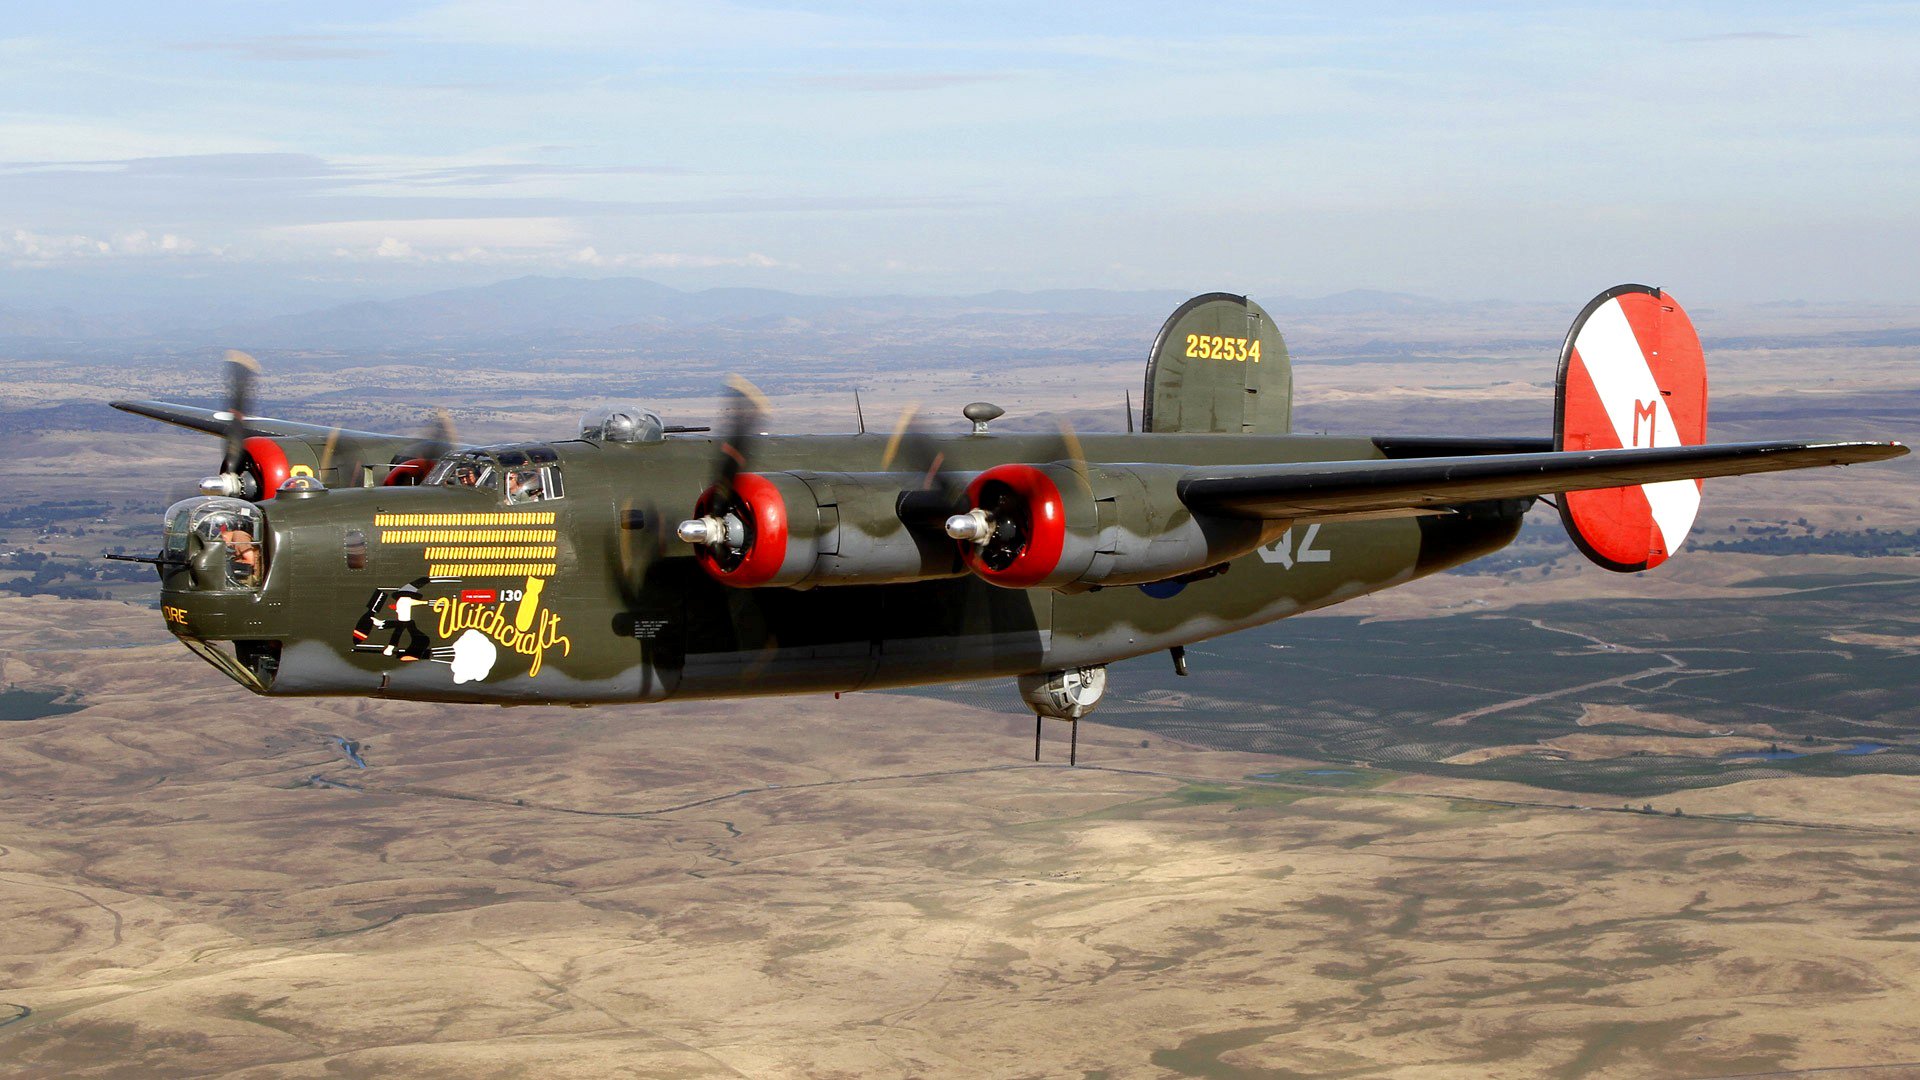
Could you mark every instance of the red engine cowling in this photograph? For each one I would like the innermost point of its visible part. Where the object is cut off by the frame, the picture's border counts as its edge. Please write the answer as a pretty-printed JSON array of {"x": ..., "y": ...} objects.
[
  {"x": 1068, "y": 527},
  {"x": 409, "y": 473},
  {"x": 807, "y": 528},
  {"x": 766, "y": 552},
  {"x": 1044, "y": 526},
  {"x": 266, "y": 464},
  {"x": 267, "y": 461}
]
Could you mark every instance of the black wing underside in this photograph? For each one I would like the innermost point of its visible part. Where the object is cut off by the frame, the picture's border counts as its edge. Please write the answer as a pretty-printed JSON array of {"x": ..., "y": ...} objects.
[{"x": 1327, "y": 490}]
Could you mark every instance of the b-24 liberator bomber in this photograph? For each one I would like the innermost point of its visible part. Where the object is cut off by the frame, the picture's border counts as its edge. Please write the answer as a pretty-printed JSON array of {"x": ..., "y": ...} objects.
[{"x": 641, "y": 561}]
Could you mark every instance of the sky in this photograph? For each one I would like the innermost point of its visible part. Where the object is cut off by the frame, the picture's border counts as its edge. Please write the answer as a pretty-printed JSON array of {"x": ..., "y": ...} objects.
[{"x": 268, "y": 152}]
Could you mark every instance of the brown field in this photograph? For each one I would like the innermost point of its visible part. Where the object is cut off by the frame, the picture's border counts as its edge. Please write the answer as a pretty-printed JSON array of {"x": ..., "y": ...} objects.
[
  {"x": 883, "y": 886},
  {"x": 195, "y": 882}
]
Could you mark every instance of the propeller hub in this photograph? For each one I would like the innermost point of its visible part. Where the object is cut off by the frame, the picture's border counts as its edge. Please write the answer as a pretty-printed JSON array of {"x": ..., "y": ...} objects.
[
  {"x": 975, "y": 526},
  {"x": 714, "y": 531},
  {"x": 229, "y": 485}
]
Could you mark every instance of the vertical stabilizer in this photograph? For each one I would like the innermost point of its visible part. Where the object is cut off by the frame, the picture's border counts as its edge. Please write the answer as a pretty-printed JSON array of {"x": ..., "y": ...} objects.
[
  {"x": 1631, "y": 375},
  {"x": 1220, "y": 365}
]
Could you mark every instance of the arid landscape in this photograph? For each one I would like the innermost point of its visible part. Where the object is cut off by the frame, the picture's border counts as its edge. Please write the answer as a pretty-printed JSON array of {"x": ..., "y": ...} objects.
[
  {"x": 198, "y": 884},
  {"x": 1317, "y": 856}
]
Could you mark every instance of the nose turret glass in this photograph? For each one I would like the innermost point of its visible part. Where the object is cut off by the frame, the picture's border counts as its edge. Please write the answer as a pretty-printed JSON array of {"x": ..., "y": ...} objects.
[{"x": 222, "y": 541}]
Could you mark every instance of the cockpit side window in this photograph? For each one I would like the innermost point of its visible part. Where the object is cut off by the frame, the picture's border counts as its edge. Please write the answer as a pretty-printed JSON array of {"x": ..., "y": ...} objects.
[
  {"x": 465, "y": 470},
  {"x": 534, "y": 483},
  {"x": 524, "y": 475}
]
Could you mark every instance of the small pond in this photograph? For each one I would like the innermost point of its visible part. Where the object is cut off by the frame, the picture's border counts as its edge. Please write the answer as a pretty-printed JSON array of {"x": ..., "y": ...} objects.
[
  {"x": 36, "y": 704},
  {"x": 1777, "y": 754}
]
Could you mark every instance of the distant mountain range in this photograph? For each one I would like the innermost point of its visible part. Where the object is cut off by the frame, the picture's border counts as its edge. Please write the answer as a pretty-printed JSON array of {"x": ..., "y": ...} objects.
[{"x": 570, "y": 309}]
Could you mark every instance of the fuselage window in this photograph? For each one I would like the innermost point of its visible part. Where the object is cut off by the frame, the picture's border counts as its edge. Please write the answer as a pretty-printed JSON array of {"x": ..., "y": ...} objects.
[
  {"x": 465, "y": 470},
  {"x": 356, "y": 549},
  {"x": 533, "y": 483}
]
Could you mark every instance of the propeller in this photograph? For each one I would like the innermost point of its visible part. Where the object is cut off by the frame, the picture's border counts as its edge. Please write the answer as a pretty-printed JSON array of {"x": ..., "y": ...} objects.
[
  {"x": 326, "y": 452},
  {"x": 911, "y": 449},
  {"x": 720, "y": 525},
  {"x": 937, "y": 493},
  {"x": 1074, "y": 457},
  {"x": 436, "y": 442},
  {"x": 411, "y": 466},
  {"x": 745, "y": 407},
  {"x": 1000, "y": 526},
  {"x": 241, "y": 369},
  {"x": 233, "y": 480},
  {"x": 440, "y": 436}
]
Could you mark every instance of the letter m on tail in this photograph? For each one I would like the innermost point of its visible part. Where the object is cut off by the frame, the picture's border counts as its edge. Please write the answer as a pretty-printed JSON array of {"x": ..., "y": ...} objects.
[{"x": 1650, "y": 412}]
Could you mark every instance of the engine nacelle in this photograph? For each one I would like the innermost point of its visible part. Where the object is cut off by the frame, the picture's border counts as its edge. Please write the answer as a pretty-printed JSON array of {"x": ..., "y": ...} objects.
[
  {"x": 805, "y": 529},
  {"x": 267, "y": 464},
  {"x": 1071, "y": 527}
]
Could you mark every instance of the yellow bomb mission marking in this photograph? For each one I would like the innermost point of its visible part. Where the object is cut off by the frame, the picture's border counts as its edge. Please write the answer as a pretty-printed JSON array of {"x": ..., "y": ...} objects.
[
  {"x": 530, "y": 632},
  {"x": 417, "y": 521},
  {"x": 481, "y": 545}
]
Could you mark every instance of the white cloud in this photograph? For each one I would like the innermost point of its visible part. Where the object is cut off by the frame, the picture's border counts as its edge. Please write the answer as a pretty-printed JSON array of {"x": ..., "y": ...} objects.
[
  {"x": 507, "y": 243},
  {"x": 670, "y": 260},
  {"x": 27, "y": 247},
  {"x": 443, "y": 234}
]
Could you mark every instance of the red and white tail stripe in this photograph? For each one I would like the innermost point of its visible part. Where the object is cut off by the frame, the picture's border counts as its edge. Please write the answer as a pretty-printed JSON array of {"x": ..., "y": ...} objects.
[{"x": 1631, "y": 375}]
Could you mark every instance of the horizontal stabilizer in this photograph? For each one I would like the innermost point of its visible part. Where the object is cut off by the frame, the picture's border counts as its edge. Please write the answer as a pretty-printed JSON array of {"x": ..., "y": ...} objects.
[{"x": 1323, "y": 490}]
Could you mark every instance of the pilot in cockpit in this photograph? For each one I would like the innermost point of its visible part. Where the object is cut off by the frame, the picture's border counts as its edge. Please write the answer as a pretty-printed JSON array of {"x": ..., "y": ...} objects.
[{"x": 525, "y": 485}]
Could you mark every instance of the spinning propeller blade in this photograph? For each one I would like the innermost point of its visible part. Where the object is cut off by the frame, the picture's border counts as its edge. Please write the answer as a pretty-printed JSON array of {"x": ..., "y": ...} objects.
[
  {"x": 326, "y": 452},
  {"x": 911, "y": 449},
  {"x": 746, "y": 405},
  {"x": 240, "y": 373}
]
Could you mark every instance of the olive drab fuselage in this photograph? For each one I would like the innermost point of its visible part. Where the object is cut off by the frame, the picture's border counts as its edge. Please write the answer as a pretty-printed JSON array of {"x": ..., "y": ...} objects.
[
  {"x": 445, "y": 592},
  {"x": 642, "y": 561}
]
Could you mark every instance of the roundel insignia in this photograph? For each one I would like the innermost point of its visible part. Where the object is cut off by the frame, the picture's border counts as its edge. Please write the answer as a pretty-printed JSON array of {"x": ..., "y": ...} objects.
[{"x": 1631, "y": 375}]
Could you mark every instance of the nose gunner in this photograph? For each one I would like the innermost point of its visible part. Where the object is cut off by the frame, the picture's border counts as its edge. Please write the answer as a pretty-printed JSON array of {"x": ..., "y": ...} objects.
[{"x": 243, "y": 557}]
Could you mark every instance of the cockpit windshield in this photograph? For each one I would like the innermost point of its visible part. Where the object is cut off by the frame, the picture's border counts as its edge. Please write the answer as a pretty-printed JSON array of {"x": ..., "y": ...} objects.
[
  {"x": 223, "y": 539},
  {"x": 527, "y": 474},
  {"x": 466, "y": 470}
]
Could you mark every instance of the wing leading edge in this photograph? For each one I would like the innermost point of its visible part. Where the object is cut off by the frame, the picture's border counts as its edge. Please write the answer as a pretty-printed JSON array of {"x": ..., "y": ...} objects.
[
  {"x": 1322, "y": 490},
  {"x": 215, "y": 423}
]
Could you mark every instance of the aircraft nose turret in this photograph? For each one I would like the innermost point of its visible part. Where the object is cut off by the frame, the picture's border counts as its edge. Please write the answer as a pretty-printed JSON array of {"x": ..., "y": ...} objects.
[{"x": 214, "y": 566}]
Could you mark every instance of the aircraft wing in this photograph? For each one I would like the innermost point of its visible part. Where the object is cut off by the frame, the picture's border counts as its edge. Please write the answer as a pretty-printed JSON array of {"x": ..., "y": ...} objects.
[
  {"x": 215, "y": 423},
  {"x": 1324, "y": 490}
]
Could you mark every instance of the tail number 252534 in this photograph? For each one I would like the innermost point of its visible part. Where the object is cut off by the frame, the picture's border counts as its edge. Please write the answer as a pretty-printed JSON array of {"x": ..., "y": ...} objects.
[{"x": 1215, "y": 347}]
